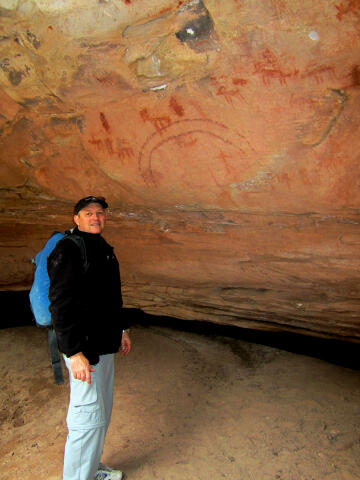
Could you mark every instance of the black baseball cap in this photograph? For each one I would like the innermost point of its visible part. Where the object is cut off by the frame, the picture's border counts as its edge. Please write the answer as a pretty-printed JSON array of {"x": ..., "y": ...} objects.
[{"x": 87, "y": 200}]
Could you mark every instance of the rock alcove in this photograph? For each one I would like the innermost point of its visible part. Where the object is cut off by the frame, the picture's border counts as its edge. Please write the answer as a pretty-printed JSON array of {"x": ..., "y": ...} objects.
[{"x": 225, "y": 136}]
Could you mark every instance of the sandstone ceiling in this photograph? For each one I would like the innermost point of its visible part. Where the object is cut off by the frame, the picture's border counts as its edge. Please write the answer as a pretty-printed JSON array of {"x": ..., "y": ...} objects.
[{"x": 224, "y": 134}]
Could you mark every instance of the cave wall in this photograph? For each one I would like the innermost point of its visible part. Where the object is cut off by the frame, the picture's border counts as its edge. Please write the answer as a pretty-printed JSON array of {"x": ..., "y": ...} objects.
[{"x": 225, "y": 136}]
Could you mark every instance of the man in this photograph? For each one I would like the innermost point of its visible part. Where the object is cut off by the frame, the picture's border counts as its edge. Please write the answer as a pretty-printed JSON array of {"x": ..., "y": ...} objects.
[{"x": 86, "y": 311}]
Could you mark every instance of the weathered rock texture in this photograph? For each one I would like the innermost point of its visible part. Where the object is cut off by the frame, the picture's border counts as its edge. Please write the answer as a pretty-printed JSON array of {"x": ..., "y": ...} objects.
[{"x": 225, "y": 135}]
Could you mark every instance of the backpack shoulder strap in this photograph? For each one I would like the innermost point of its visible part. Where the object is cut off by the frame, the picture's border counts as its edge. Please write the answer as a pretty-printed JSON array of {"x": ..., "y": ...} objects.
[
  {"x": 79, "y": 241},
  {"x": 55, "y": 356}
]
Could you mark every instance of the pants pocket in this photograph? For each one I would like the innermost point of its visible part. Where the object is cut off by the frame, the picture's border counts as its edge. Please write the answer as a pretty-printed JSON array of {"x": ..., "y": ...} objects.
[{"x": 86, "y": 409}]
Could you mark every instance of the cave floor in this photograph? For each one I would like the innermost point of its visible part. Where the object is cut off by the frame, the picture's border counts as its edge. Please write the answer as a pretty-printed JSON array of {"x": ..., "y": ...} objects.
[{"x": 189, "y": 406}]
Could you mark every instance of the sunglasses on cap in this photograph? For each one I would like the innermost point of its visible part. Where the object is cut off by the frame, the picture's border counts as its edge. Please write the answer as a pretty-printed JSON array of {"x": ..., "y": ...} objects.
[{"x": 87, "y": 200}]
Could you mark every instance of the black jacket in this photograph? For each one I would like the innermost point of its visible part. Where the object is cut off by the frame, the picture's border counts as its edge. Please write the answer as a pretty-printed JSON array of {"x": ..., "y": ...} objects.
[{"x": 86, "y": 307}]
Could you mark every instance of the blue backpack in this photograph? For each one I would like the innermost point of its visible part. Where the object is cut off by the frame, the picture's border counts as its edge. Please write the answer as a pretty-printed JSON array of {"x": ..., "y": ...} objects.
[{"x": 39, "y": 294}]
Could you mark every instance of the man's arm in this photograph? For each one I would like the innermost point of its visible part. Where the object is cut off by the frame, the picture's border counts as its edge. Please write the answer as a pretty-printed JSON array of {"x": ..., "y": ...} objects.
[
  {"x": 81, "y": 368},
  {"x": 65, "y": 272},
  {"x": 125, "y": 343}
]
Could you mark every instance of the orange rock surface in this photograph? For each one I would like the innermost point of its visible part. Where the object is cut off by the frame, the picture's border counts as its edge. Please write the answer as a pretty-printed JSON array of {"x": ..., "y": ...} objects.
[{"x": 225, "y": 136}]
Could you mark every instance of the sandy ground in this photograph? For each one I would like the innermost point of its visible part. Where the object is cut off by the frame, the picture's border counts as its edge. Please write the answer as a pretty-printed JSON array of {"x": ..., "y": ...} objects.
[{"x": 189, "y": 406}]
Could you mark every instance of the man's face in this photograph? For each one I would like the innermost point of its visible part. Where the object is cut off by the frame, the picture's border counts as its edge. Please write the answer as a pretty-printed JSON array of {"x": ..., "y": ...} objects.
[{"x": 91, "y": 219}]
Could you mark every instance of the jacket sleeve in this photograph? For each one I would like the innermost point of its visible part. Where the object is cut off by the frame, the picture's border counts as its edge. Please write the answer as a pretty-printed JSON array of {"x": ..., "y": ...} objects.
[
  {"x": 117, "y": 294},
  {"x": 65, "y": 271}
]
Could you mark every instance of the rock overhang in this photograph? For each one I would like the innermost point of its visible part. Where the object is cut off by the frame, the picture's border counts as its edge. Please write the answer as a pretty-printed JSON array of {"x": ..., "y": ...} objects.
[{"x": 225, "y": 136}]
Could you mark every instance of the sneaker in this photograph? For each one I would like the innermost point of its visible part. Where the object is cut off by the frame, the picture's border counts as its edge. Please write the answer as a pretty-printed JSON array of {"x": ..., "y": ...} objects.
[{"x": 107, "y": 473}]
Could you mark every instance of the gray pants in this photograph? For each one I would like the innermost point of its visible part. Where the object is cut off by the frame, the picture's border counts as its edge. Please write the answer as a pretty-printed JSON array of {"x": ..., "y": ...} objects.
[{"x": 88, "y": 419}]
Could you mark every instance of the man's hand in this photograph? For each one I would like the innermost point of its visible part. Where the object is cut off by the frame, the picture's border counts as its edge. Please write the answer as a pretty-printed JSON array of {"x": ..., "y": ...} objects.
[
  {"x": 125, "y": 344},
  {"x": 81, "y": 368}
]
